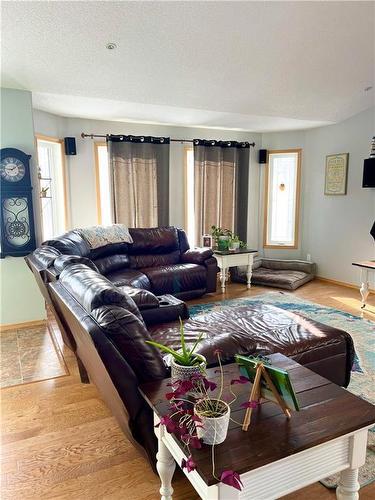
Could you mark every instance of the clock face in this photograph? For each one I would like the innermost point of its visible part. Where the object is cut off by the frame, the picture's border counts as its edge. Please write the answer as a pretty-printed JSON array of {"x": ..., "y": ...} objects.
[{"x": 12, "y": 169}]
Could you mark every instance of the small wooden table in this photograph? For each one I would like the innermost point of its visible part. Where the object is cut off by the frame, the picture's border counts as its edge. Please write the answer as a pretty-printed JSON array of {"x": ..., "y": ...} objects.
[
  {"x": 366, "y": 266},
  {"x": 275, "y": 456},
  {"x": 226, "y": 259}
]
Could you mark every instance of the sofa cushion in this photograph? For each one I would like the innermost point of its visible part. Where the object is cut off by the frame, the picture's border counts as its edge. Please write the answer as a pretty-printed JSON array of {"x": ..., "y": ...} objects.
[
  {"x": 143, "y": 298},
  {"x": 130, "y": 277},
  {"x": 176, "y": 278},
  {"x": 280, "y": 278},
  {"x": 70, "y": 243},
  {"x": 111, "y": 263},
  {"x": 153, "y": 260},
  {"x": 92, "y": 290},
  {"x": 158, "y": 240}
]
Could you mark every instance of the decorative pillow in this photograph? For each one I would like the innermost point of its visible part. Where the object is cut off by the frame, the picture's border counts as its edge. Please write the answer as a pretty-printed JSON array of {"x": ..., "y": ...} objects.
[{"x": 100, "y": 236}]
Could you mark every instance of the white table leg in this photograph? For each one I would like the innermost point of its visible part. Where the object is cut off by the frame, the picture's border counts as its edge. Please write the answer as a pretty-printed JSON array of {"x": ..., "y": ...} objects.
[
  {"x": 364, "y": 290},
  {"x": 223, "y": 276},
  {"x": 348, "y": 485},
  {"x": 249, "y": 271},
  {"x": 165, "y": 466}
]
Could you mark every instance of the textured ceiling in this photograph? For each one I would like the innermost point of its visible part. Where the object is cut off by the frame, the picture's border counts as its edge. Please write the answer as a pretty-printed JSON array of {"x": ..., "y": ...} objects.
[{"x": 247, "y": 65}]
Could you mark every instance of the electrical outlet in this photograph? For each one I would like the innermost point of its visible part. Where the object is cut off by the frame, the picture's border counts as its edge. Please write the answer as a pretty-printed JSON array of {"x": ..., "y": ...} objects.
[{"x": 309, "y": 257}]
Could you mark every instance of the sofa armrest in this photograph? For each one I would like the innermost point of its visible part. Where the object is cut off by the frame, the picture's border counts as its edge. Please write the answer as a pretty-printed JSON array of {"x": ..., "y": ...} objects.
[
  {"x": 196, "y": 255},
  {"x": 290, "y": 265},
  {"x": 143, "y": 298}
]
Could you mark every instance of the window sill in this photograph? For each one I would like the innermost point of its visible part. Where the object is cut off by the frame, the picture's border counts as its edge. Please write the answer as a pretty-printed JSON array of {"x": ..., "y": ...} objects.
[{"x": 286, "y": 247}]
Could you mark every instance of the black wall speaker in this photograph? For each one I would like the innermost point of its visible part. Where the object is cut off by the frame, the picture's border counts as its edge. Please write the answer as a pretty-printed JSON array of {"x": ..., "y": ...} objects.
[
  {"x": 70, "y": 146},
  {"x": 263, "y": 156}
]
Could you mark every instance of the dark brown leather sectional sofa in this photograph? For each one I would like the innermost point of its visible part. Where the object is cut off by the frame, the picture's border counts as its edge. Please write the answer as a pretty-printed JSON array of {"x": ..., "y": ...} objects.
[{"x": 107, "y": 330}]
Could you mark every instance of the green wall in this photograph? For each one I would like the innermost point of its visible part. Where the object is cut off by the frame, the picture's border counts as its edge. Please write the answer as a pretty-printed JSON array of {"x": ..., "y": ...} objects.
[{"x": 20, "y": 299}]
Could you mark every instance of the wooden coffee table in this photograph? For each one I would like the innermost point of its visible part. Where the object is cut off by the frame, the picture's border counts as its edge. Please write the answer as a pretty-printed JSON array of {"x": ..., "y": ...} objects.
[{"x": 275, "y": 456}]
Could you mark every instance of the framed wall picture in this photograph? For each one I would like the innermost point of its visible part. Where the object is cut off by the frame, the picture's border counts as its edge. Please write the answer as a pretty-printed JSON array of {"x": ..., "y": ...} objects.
[
  {"x": 207, "y": 240},
  {"x": 336, "y": 179}
]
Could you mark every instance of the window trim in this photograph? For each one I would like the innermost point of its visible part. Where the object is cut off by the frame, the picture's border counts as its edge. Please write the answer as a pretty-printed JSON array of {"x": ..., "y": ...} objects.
[
  {"x": 47, "y": 138},
  {"x": 97, "y": 145},
  {"x": 298, "y": 200}
]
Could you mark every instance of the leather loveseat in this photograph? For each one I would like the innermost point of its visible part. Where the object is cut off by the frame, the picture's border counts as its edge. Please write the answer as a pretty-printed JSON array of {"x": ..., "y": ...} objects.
[{"x": 109, "y": 336}]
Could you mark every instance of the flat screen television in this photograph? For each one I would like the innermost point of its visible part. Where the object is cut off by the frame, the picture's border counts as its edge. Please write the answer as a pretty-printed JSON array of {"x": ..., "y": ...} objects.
[{"x": 369, "y": 173}]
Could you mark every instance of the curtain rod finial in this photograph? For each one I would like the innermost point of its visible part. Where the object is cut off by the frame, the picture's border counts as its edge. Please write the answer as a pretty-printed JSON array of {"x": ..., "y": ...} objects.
[{"x": 83, "y": 135}]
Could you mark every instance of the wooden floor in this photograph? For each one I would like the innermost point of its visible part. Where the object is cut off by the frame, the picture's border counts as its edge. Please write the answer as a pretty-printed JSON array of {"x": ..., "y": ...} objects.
[{"x": 59, "y": 440}]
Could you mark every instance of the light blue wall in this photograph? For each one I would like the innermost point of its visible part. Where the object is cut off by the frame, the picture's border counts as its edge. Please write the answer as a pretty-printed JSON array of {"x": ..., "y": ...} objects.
[
  {"x": 334, "y": 229},
  {"x": 20, "y": 299}
]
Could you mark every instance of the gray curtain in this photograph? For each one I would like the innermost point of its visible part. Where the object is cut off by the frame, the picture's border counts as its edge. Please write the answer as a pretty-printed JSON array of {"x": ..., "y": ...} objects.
[
  {"x": 140, "y": 180},
  {"x": 221, "y": 178}
]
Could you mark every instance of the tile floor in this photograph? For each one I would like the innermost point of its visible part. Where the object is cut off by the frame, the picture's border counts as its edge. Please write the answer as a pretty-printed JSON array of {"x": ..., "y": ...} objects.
[{"x": 29, "y": 355}]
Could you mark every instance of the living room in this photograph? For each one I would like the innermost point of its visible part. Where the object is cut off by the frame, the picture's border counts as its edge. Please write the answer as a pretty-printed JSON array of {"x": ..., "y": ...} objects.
[{"x": 251, "y": 152}]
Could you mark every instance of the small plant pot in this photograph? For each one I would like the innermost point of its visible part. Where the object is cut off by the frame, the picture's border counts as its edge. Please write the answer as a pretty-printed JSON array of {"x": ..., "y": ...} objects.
[
  {"x": 234, "y": 246},
  {"x": 214, "y": 430},
  {"x": 179, "y": 372}
]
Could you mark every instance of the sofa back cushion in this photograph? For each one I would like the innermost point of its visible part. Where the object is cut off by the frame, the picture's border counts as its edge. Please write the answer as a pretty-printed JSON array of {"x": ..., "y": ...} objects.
[
  {"x": 158, "y": 240},
  {"x": 46, "y": 255},
  {"x": 70, "y": 243},
  {"x": 92, "y": 290},
  {"x": 111, "y": 263},
  {"x": 129, "y": 334},
  {"x": 63, "y": 261},
  {"x": 152, "y": 260}
]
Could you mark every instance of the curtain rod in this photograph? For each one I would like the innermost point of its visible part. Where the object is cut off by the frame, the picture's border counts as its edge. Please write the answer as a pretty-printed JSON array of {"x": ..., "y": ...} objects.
[{"x": 83, "y": 135}]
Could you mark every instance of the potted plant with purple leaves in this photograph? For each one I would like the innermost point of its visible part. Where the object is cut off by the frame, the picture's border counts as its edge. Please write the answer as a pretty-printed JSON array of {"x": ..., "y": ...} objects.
[
  {"x": 202, "y": 418},
  {"x": 185, "y": 362}
]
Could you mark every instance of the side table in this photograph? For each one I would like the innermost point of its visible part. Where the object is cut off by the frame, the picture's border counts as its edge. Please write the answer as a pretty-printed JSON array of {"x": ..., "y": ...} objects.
[
  {"x": 366, "y": 266},
  {"x": 226, "y": 259}
]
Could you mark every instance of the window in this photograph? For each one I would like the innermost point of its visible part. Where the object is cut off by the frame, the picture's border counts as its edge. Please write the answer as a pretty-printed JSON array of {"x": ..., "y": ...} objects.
[
  {"x": 103, "y": 186},
  {"x": 282, "y": 199},
  {"x": 52, "y": 186},
  {"x": 189, "y": 197}
]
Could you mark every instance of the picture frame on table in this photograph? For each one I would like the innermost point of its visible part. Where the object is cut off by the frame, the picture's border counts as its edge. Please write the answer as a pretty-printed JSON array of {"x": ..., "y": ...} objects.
[
  {"x": 336, "y": 175},
  {"x": 207, "y": 241}
]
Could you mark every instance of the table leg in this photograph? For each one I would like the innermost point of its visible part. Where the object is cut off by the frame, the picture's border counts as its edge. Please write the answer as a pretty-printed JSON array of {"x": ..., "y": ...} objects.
[
  {"x": 165, "y": 466},
  {"x": 223, "y": 277},
  {"x": 364, "y": 290},
  {"x": 348, "y": 485},
  {"x": 249, "y": 273}
]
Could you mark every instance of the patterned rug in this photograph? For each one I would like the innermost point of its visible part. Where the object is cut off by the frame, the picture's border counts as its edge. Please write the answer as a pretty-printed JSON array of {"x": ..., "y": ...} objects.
[{"x": 362, "y": 381}]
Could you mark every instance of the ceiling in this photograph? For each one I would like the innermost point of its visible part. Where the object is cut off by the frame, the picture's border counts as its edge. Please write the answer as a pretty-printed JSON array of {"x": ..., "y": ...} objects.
[{"x": 258, "y": 66}]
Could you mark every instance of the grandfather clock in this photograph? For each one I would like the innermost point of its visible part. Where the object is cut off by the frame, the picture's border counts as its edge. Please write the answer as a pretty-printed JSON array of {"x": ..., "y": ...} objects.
[{"x": 17, "y": 216}]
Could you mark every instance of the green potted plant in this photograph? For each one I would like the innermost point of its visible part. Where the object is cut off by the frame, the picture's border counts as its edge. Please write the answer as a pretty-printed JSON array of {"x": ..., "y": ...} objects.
[
  {"x": 221, "y": 237},
  {"x": 234, "y": 243},
  {"x": 185, "y": 362}
]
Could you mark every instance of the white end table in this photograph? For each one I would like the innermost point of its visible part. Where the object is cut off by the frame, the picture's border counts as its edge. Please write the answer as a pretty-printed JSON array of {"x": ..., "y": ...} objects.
[{"x": 226, "y": 259}]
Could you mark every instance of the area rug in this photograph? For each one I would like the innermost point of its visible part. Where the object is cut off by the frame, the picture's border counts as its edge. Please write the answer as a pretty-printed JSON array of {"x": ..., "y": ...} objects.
[{"x": 362, "y": 381}]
